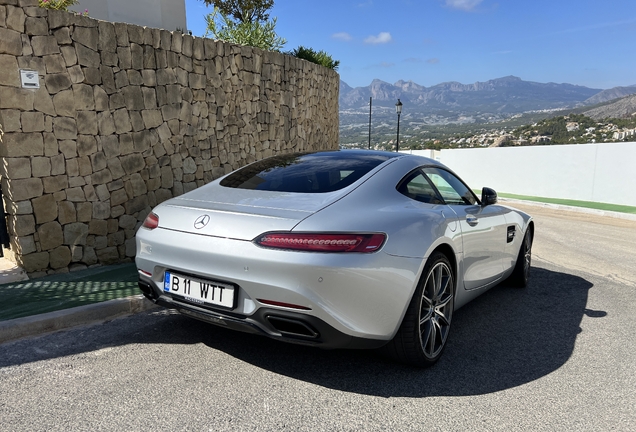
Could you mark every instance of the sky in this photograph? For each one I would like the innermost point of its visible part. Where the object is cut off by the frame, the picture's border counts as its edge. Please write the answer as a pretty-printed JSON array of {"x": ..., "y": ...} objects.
[{"x": 584, "y": 42}]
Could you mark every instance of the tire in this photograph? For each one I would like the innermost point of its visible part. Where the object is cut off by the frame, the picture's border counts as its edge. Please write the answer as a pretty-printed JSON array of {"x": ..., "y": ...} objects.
[
  {"x": 521, "y": 272},
  {"x": 422, "y": 336}
]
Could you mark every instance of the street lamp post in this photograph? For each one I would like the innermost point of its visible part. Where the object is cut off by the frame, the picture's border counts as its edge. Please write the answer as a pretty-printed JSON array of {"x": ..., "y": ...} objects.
[{"x": 398, "y": 110}]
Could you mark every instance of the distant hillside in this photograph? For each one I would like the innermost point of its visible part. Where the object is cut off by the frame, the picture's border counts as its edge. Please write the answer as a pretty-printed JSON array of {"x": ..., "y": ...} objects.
[
  {"x": 611, "y": 94},
  {"x": 621, "y": 108},
  {"x": 433, "y": 115}
]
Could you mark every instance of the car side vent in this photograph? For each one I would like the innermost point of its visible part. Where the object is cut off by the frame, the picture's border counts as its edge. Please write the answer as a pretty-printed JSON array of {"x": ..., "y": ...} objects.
[{"x": 511, "y": 234}]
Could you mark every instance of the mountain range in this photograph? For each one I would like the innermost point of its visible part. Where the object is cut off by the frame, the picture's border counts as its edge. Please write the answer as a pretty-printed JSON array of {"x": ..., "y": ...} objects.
[{"x": 481, "y": 101}]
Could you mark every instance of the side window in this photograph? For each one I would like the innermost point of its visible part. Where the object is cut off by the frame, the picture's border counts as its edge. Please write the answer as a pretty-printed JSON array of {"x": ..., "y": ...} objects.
[
  {"x": 416, "y": 186},
  {"x": 452, "y": 189}
]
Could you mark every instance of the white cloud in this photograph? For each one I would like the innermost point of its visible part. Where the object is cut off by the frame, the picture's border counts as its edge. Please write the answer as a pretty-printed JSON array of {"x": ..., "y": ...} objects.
[
  {"x": 432, "y": 61},
  {"x": 343, "y": 36},
  {"x": 466, "y": 5},
  {"x": 382, "y": 38}
]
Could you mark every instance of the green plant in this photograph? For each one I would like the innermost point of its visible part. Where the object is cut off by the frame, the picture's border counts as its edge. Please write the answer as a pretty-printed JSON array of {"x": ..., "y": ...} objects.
[
  {"x": 318, "y": 57},
  {"x": 257, "y": 34},
  {"x": 61, "y": 5},
  {"x": 243, "y": 10},
  {"x": 57, "y": 4}
]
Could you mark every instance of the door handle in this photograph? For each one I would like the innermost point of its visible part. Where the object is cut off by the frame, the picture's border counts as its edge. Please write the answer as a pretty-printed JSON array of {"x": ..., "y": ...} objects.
[{"x": 472, "y": 220}]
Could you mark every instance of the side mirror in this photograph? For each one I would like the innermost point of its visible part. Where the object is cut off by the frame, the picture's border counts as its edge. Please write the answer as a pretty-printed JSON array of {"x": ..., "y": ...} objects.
[{"x": 488, "y": 197}]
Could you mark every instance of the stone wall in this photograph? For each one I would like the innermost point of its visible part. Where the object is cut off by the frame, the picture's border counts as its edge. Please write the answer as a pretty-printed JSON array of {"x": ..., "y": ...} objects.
[{"x": 127, "y": 117}]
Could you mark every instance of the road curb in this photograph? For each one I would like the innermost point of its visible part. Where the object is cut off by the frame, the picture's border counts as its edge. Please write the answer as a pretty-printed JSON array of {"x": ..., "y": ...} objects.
[
  {"x": 595, "y": 212},
  {"x": 63, "y": 319}
]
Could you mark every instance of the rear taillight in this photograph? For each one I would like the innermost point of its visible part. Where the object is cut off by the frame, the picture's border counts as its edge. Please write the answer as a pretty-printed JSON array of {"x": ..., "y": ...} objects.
[
  {"x": 151, "y": 222},
  {"x": 362, "y": 243}
]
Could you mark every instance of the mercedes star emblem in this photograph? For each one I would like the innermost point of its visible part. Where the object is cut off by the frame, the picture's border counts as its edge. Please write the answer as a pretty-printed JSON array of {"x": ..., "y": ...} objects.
[{"x": 201, "y": 221}]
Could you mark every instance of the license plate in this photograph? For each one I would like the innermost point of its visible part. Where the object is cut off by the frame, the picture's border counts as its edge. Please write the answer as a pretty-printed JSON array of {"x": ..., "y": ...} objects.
[{"x": 199, "y": 291}]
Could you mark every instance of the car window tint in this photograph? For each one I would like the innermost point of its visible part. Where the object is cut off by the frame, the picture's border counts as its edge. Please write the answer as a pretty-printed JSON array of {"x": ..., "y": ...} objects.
[
  {"x": 416, "y": 186},
  {"x": 451, "y": 188},
  {"x": 306, "y": 173}
]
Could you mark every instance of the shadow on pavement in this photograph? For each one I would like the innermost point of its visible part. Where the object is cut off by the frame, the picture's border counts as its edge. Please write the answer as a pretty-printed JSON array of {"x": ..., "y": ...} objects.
[{"x": 505, "y": 338}]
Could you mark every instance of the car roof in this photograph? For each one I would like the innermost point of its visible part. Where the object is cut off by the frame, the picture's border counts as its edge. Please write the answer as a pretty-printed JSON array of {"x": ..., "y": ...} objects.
[{"x": 387, "y": 154}]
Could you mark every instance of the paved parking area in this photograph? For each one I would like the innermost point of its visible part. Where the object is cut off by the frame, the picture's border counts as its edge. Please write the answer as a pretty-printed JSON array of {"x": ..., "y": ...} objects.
[
  {"x": 559, "y": 355},
  {"x": 9, "y": 272}
]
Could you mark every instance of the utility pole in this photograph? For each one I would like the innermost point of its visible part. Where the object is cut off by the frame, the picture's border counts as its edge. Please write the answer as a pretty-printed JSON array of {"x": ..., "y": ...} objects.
[{"x": 370, "y": 104}]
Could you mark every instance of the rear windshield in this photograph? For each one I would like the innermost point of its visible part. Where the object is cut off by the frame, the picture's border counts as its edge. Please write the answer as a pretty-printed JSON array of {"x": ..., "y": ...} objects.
[{"x": 306, "y": 173}]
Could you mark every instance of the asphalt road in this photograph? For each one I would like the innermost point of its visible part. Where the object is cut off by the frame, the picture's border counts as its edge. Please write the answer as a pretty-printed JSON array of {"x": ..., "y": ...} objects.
[{"x": 559, "y": 355}]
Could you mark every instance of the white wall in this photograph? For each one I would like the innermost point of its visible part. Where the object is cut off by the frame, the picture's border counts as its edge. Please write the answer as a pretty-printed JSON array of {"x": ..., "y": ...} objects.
[
  {"x": 587, "y": 172},
  {"x": 163, "y": 14},
  {"x": 432, "y": 154}
]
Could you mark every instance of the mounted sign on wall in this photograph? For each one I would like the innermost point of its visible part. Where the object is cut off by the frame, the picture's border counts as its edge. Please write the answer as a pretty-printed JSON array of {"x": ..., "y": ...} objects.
[{"x": 30, "y": 79}]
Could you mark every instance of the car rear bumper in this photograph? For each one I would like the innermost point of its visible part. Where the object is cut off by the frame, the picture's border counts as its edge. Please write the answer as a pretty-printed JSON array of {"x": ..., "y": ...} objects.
[
  {"x": 359, "y": 295},
  {"x": 287, "y": 326}
]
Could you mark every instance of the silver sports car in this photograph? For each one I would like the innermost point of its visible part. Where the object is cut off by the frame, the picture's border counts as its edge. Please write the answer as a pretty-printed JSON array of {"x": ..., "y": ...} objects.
[{"x": 355, "y": 249}]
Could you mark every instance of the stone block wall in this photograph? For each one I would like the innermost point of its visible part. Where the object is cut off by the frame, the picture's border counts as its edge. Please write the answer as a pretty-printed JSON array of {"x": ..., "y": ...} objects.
[{"x": 127, "y": 117}]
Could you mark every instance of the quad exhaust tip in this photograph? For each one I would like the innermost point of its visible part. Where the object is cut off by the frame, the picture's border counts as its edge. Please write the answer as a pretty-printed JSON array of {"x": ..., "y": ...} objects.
[
  {"x": 147, "y": 290},
  {"x": 292, "y": 327}
]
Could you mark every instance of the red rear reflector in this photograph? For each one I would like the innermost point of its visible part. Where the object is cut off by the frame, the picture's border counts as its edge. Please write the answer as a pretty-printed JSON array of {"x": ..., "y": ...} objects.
[
  {"x": 287, "y": 305},
  {"x": 151, "y": 222},
  {"x": 362, "y": 243}
]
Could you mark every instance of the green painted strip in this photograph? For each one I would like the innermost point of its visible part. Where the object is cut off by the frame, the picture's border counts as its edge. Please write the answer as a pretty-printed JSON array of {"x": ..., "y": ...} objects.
[
  {"x": 574, "y": 203},
  {"x": 63, "y": 291}
]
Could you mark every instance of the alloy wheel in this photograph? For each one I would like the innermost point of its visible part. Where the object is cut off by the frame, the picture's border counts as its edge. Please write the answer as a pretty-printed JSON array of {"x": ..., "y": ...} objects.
[
  {"x": 527, "y": 255},
  {"x": 436, "y": 309}
]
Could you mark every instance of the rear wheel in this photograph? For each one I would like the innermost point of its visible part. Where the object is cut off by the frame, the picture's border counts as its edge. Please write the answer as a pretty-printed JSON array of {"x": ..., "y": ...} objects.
[
  {"x": 521, "y": 273},
  {"x": 422, "y": 336}
]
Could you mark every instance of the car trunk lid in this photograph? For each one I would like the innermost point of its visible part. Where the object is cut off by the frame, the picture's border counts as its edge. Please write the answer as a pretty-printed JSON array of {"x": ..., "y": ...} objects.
[{"x": 239, "y": 213}]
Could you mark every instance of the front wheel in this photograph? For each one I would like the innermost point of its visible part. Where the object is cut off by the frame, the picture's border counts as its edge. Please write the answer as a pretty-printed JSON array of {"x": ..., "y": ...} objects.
[
  {"x": 422, "y": 336},
  {"x": 521, "y": 272}
]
